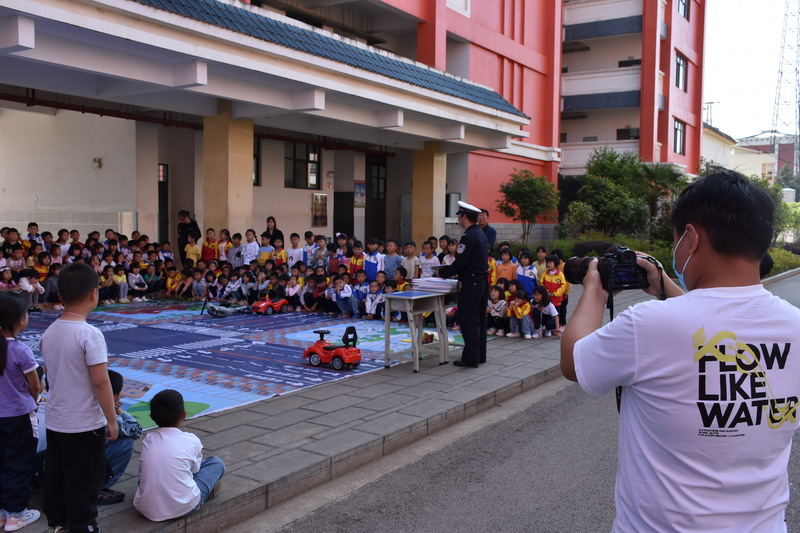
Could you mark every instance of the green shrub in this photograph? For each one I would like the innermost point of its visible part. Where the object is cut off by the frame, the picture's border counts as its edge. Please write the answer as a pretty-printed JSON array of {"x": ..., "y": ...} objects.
[{"x": 783, "y": 260}]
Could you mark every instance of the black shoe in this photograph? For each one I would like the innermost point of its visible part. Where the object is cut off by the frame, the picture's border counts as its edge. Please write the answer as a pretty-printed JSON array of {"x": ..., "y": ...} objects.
[
  {"x": 109, "y": 497},
  {"x": 461, "y": 362}
]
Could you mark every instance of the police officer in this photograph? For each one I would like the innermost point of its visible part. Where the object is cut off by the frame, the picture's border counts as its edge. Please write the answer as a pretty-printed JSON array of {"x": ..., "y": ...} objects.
[{"x": 471, "y": 266}]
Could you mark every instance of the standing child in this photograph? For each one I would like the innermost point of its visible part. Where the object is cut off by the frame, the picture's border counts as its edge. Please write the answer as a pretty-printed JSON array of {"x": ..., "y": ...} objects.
[
  {"x": 192, "y": 250},
  {"x": 295, "y": 254},
  {"x": 210, "y": 248},
  {"x": 265, "y": 252},
  {"x": 519, "y": 312},
  {"x": 224, "y": 245},
  {"x": 174, "y": 479},
  {"x": 526, "y": 272},
  {"x": 80, "y": 405},
  {"x": 391, "y": 260},
  {"x": 450, "y": 255},
  {"x": 506, "y": 267},
  {"x": 545, "y": 314},
  {"x": 428, "y": 261},
  {"x": 497, "y": 311},
  {"x": 554, "y": 281},
  {"x": 279, "y": 254},
  {"x": 410, "y": 261},
  {"x": 19, "y": 391},
  {"x": 236, "y": 255},
  {"x": 373, "y": 259},
  {"x": 562, "y": 309}
]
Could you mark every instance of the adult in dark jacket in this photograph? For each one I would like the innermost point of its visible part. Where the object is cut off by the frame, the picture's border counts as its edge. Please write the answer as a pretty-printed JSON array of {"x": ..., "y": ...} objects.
[
  {"x": 471, "y": 266},
  {"x": 187, "y": 226},
  {"x": 273, "y": 232}
]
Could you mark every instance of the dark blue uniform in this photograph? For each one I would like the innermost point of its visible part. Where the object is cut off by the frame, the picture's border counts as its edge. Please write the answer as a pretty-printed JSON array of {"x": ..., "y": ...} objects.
[{"x": 471, "y": 266}]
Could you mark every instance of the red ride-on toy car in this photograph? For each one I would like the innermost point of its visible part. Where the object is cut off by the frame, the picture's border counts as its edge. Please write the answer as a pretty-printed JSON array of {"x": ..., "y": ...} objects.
[
  {"x": 265, "y": 306},
  {"x": 341, "y": 357}
]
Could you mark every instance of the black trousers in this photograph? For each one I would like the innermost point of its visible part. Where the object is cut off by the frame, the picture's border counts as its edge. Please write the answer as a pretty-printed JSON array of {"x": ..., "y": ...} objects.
[
  {"x": 562, "y": 311},
  {"x": 17, "y": 462},
  {"x": 472, "y": 318},
  {"x": 499, "y": 322},
  {"x": 75, "y": 468}
]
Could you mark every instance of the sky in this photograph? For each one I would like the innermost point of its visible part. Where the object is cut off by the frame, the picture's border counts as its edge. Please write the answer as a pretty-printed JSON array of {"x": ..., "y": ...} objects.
[{"x": 742, "y": 54}]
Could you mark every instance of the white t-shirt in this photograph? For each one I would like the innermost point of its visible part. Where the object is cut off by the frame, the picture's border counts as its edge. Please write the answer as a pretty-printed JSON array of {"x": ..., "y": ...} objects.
[
  {"x": 698, "y": 449},
  {"x": 410, "y": 264},
  {"x": 293, "y": 255},
  {"x": 69, "y": 348},
  {"x": 425, "y": 264},
  {"x": 167, "y": 489}
]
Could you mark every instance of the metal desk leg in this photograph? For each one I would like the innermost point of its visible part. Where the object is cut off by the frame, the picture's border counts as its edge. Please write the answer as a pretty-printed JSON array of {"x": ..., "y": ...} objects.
[
  {"x": 387, "y": 325},
  {"x": 441, "y": 326},
  {"x": 412, "y": 326}
]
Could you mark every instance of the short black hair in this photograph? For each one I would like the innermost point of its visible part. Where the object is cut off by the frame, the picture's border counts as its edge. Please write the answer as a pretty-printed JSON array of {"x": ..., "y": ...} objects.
[
  {"x": 403, "y": 272},
  {"x": 308, "y": 234},
  {"x": 541, "y": 249},
  {"x": 166, "y": 408},
  {"x": 392, "y": 284},
  {"x": 116, "y": 381},
  {"x": 472, "y": 216},
  {"x": 737, "y": 214},
  {"x": 76, "y": 281}
]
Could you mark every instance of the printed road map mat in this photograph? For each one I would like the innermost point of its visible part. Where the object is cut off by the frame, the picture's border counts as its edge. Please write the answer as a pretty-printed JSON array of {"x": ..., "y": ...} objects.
[{"x": 219, "y": 363}]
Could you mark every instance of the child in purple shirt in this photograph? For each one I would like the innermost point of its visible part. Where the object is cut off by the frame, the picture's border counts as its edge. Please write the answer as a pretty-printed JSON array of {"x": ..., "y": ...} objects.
[{"x": 19, "y": 390}]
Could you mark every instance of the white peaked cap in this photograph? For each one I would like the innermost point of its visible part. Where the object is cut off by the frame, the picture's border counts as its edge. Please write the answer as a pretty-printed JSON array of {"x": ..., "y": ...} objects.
[{"x": 467, "y": 208}]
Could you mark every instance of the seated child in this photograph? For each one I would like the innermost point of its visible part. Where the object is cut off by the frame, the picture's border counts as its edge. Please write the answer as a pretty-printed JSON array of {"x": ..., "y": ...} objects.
[
  {"x": 520, "y": 312},
  {"x": 497, "y": 311},
  {"x": 174, "y": 479},
  {"x": 373, "y": 302},
  {"x": 120, "y": 451},
  {"x": 342, "y": 295},
  {"x": 545, "y": 314},
  {"x": 293, "y": 293},
  {"x": 31, "y": 288}
]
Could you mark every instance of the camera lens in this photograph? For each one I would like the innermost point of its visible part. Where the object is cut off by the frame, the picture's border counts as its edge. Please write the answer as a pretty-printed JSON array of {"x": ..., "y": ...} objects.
[{"x": 576, "y": 268}]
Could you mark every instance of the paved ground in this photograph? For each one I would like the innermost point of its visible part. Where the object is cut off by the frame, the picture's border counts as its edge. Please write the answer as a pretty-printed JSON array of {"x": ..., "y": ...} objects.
[{"x": 281, "y": 447}]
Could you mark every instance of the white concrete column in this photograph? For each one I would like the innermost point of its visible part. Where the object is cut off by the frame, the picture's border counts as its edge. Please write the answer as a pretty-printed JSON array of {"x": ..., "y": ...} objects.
[{"x": 147, "y": 178}]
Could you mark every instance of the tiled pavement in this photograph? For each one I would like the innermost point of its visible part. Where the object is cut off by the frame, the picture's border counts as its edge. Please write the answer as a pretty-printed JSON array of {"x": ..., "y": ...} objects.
[{"x": 277, "y": 448}]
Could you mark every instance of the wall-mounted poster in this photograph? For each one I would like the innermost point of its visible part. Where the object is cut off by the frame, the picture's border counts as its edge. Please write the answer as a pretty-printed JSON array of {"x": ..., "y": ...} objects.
[
  {"x": 359, "y": 193},
  {"x": 319, "y": 210}
]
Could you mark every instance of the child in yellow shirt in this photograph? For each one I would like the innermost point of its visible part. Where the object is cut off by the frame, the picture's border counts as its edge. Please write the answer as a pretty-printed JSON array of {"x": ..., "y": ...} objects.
[
  {"x": 519, "y": 311},
  {"x": 192, "y": 250}
]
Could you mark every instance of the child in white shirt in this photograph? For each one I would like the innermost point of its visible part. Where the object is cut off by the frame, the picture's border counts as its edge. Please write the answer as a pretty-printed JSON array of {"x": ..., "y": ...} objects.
[{"x": 174, "y": 479}]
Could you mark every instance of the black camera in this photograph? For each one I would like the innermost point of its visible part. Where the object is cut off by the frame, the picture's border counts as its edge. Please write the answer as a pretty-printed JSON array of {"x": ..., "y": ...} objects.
[{"x": 617, "y": 267}]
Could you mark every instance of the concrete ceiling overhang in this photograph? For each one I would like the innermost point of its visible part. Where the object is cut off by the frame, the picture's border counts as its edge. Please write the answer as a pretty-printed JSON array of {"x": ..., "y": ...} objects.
[{"x": 124, "y": 52}]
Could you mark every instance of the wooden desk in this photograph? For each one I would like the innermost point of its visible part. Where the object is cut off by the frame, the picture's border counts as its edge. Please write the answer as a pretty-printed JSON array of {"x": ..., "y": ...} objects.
[{"x": 415, "y": 304}]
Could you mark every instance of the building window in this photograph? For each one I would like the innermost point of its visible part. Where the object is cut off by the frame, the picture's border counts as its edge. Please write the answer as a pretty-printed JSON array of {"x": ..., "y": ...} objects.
[
  {"x": 562, "y": 137},
  {"x": 629, "y": 63},
  {"x": 680, "y": 137},
  {"x": 627, "y": 134},
  {"x": 301, "y": 166},
  {"x": 680, "y": 71},
  {"x": 377, "y": 175},
  {"x": 256, "y": 162},
  {"x": 683, "y": 8}
]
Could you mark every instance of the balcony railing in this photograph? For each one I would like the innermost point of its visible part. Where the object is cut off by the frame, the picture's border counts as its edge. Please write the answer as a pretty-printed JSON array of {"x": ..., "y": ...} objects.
[{"x": 613, "y": 80}]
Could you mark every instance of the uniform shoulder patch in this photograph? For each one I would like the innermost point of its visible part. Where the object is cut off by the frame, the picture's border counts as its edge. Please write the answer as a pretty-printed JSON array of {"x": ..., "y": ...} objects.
[{"x": 461, "y": 248}]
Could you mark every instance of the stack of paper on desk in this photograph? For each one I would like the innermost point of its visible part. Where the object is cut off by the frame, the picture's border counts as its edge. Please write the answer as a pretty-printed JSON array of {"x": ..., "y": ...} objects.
[{"x": 434, "y": 284}]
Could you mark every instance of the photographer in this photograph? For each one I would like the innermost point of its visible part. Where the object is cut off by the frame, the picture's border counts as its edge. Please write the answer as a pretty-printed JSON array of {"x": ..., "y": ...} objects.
[{"x": 709, "y": 382}]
